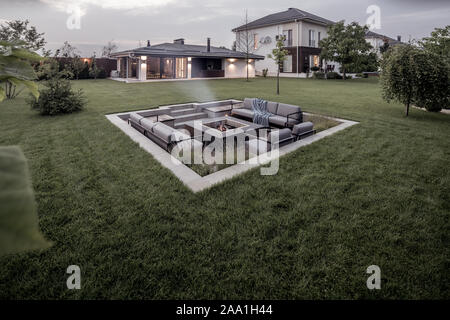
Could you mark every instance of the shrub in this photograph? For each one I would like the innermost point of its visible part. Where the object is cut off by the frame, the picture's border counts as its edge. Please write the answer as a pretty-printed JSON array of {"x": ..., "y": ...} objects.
[
  {"x": 102, "y": 74},
  {"x": 58, "y": 98},
  {"x": 333, "y": 75},
  {"x": 319, "y": 75},
  {"x": 314, "y": 68}
]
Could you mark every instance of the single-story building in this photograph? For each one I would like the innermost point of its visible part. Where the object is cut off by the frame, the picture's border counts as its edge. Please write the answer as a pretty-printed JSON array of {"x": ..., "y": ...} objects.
[{"x": 178, "y": 60}]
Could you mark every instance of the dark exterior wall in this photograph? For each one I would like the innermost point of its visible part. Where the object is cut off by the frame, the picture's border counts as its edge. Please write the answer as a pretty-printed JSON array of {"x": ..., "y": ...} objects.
[
  {"x": 206, "y": 68},
  {"x": 303, "y": 57}
]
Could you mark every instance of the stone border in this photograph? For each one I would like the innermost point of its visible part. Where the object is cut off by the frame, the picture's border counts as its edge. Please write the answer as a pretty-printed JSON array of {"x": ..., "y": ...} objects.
[{"x": 193, "y": 180}]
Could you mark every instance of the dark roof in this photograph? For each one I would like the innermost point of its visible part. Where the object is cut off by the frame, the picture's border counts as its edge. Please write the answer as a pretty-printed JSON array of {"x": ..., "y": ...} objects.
[
  {"x": 291, "y": 15},
  {"x": 371, "y": 34},
  {"x": 186, "y": 50}
]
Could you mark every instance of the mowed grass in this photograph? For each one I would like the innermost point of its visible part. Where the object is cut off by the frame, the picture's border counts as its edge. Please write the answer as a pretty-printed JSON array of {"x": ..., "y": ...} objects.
[{"x": 374, "y": 194}]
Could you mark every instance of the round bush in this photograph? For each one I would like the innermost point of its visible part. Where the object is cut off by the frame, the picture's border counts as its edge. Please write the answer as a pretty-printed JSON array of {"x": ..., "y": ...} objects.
[{"x": 58, "y": 98}]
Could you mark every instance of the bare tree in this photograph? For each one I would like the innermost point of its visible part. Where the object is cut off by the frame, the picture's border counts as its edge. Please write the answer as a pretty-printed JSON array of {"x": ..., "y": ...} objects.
[
  {"x": 108, "y": 49},
  {"x": 245, "y": 41}
]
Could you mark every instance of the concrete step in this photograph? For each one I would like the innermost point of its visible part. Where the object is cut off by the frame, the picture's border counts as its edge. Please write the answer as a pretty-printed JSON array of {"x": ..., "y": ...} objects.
[
  {"x": 181, "y": 112},
  {"x": 189, "y": 117}
]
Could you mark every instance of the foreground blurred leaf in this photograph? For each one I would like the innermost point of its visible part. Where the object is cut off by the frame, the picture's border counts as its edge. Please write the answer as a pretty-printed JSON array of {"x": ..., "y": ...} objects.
[{"x": 19, "y": 230}]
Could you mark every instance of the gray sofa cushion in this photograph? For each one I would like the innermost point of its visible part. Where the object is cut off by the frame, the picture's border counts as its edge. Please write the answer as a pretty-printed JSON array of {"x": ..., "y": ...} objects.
[
  {"x": 285, "y": 109},
  {"x": 283, "y": 134},
  {"x": 248, "y": 103},
  {"x": 281, "y": 121},
  {"x": 243, "y": 112},
  {"x": 272, "y": 107},
  {"x": 147, "y": 124},
  {"x": 163, "y": 132},
  {"x": 136, "y": 117},
  {"x": 302, "y": 128}
]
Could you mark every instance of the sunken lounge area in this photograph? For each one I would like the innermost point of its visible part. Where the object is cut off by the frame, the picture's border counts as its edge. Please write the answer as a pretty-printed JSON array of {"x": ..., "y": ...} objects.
[{"x": 188, "y": 138}]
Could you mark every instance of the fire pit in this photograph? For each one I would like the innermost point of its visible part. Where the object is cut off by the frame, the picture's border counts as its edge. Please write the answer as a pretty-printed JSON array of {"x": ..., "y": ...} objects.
[{"x": 226, "y": 125}]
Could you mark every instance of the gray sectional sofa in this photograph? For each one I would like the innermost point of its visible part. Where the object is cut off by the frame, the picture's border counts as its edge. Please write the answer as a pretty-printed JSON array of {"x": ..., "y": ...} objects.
[
  {"x": 160, "y": 133},
  {"x": 284, "y": 115}
]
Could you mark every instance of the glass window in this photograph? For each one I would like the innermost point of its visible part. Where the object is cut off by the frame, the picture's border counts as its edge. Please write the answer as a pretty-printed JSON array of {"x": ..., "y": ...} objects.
[
  {"x": 181, "y": 68},
  {"x": 287, "y": 64},
  {"x": 312, "y": 38},
  {"x": 153, "y": 68},
  {"x": 288, "y": 38}
]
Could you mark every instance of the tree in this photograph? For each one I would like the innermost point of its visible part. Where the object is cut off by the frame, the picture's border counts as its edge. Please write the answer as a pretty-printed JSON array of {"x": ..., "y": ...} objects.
[
  {"x": 94, "y": 71},
  {"x": 245, "y": 41},
  {"x": 279, "y": 55},
  {"x": 438, "y": 43},
  {"x": 76, "y": 66},
  {"x": 345, "y": 45},
  {"x": 16, "y": 69},
  {"x": 18, "y": 31},
  {"x": 410, "y": 75},
  {"x": 109, "y": 49},
  {"x": 67, "y": 51},
  {"x": 364, "y": 63}
]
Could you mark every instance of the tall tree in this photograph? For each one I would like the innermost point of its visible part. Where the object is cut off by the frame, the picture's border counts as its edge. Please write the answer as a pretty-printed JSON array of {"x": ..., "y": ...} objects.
[
  {"x": 94, "y": 70},
  {"x": 67, "y": 51},
  {"x": 345, "y": 44},
  {"x": 109, "y": 49},
  {"x": 19, "y": 31},
  {"x": 245, "y": 42},
  {"x": 279, "y": 55},
  {"x": 438, "y": 43}
]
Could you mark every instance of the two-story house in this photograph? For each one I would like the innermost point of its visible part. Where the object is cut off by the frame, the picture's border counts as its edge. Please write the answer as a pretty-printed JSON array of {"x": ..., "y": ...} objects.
[{"x": 303, "y": 32}]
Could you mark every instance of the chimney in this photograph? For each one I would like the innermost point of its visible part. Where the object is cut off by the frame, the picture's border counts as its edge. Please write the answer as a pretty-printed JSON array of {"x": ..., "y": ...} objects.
[
  {"x": 148, "y": 43},
  {"x": 208, "y": 45},
  {"x": 179, "y": 41},
  {"x": 399, "y": 38}
]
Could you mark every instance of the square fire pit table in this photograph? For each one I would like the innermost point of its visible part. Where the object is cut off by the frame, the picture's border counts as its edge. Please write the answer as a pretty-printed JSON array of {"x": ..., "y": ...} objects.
[{"x": 220, "y": 127}]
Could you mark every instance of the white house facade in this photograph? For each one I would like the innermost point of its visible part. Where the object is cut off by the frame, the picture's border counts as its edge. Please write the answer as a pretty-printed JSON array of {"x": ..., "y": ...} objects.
[{"x": 303, "y": 32}]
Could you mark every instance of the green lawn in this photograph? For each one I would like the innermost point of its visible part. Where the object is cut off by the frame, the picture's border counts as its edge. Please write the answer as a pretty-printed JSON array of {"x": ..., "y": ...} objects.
[{"x": 376, "y": 193}]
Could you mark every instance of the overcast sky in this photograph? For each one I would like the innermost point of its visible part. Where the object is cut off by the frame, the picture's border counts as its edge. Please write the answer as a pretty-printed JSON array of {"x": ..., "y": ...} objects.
[{"x": 129, "y": 22}]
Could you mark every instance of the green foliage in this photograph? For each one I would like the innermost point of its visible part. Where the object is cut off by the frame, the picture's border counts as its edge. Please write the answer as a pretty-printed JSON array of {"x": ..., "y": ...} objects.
[
  {"x": 333, "y": 75},
  {"x": 18, "y": 32},
  {"x": 101, "y": 198},
  {"x": 16, "y": 70},
  {"x": 319, "y": 75},
  {"x": 279, "y": 55},
  {"x": 58, "y": 98},
  {"x": 411, "y": 75},
  {"x": 19, "y": 230},
  {"x": 438, "y": 43},
  {"x": 346, "y": 45},
  {"x": 364, "y": 63},
  {"x": 94, "y": 70}
]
